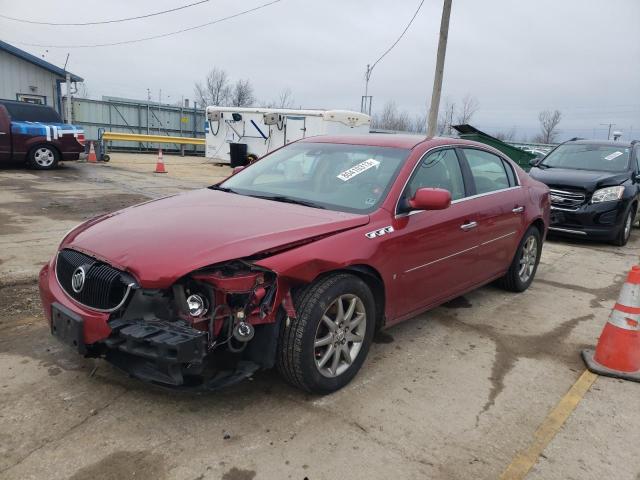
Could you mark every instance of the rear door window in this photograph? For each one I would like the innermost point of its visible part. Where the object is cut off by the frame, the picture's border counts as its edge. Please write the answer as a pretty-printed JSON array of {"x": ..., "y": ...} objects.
[{"x": 488, "y": 171}]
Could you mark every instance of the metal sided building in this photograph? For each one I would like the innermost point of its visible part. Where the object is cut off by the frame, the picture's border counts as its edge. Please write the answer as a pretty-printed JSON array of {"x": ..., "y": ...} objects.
[{"x": 27, "y": 78}]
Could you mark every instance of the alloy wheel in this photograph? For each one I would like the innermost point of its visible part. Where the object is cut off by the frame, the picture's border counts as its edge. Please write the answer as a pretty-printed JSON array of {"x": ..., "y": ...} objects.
[
  {"x": 340, "y": 335},
  {"x": 528, "y": 259},
  {"x": 44, "y": 157}
]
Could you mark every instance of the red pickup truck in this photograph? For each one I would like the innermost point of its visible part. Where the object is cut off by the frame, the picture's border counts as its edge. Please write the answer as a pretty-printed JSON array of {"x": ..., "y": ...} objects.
[{"x": 35, "y": 134}]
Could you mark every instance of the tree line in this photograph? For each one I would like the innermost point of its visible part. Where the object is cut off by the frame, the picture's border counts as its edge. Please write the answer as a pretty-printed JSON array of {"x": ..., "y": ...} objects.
[{"x": 219, "y": 89}]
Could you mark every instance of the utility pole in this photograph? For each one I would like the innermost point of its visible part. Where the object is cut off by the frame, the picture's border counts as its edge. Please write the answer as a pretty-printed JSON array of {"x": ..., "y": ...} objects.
[
  {"x": 432, "y": 121},
  {"x": 67, "y": 78},
  {"x": 365, "y": 103},
  {"x": 611, "y": 125}
]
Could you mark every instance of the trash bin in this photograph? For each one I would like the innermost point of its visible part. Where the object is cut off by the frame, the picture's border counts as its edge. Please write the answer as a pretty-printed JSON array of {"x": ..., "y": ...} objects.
[{"x": 238, "y": 154}]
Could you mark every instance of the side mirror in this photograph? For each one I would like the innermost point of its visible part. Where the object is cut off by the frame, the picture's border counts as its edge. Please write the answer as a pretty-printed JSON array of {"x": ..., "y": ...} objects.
[
  {"x": 237, "y": 170},
  {"x": 430, "y": 199},
  {"x": 534, "y": 162}
]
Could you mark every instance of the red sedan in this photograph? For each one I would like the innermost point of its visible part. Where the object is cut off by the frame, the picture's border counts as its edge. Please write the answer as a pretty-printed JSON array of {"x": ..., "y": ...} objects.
[{"x": 294, "y": 261}]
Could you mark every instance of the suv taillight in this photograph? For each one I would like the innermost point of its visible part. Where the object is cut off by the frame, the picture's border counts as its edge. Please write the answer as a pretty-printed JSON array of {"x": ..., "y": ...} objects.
[{"x": 80, "y": 139}]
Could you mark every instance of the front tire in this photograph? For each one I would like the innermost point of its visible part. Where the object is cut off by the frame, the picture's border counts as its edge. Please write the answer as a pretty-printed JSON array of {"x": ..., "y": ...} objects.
[
  {"x": 625, "y": 231},
  {"x": 322, "y": 349},
  {"x": 43, "y": 157},
  {"x": 525, "y": 262}
]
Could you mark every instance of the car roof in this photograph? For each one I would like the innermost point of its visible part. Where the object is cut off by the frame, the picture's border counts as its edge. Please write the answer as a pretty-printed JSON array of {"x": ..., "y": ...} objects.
[
  {"x": 393, "y": 140},
  {"x": 610, "y": 143}
]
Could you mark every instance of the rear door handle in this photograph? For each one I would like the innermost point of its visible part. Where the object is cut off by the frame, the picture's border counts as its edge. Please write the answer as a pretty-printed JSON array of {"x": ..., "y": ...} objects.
[
  {"x": 468, "y": 226},
  {"x": 518, "y": 210}
]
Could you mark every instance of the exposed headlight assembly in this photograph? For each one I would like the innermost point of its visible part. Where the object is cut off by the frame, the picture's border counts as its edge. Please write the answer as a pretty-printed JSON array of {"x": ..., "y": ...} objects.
[
  {"x": 197, "y": 305},
  {"x": 608, "y": 194}
]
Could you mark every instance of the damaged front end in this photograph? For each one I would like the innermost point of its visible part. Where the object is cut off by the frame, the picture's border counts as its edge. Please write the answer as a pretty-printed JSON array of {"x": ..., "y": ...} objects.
[{"x": 213, "y": 327}]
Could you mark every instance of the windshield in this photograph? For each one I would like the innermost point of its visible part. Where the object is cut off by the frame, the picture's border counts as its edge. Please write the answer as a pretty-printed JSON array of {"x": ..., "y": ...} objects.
[
  {"x": 349, "y": 178},
  {"x": 605, "y": 158}
]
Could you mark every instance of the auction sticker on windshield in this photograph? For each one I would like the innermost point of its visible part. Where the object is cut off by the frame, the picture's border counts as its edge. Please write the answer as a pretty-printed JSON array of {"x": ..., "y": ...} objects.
[
  {"x": 358, "y": 169},
  {"x": 613, "y": 155}
]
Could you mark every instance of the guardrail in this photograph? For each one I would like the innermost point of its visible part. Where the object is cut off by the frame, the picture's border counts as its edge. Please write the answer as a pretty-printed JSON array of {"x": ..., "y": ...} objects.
[{"x": 136, "y": 137}]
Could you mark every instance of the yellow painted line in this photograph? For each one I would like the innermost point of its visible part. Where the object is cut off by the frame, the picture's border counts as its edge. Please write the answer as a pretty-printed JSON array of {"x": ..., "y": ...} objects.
[{"x": 526, "y": 459}]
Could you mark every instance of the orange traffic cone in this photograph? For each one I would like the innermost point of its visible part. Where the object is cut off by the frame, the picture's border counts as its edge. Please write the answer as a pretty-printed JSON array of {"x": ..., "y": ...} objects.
[
  {"x": 160, "y": 163},
  {"x": 618, "y": 351},
  {"x": 91, "y": 158}
]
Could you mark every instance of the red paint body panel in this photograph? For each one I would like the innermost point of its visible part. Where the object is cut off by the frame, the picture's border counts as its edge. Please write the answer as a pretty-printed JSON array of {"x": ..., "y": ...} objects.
[
  {"x": 424, "y": 260},
  {"x": 160, "y": 241},
  {"x": 95, "y": 323}
]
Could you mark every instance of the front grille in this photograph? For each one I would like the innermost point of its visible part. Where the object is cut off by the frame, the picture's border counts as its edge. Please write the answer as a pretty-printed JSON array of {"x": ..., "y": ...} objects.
[
  {"x": 566, "y": 200},
  {"x": 104, "y": 287}
]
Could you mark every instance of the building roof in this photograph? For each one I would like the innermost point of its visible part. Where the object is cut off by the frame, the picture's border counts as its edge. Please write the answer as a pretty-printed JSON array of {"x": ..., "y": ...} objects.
[{"x": 37, "y": 61}]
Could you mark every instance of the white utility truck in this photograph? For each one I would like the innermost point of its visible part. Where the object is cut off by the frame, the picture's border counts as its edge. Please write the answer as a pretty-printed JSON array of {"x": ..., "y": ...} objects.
[{"x": 233, "y": 133}]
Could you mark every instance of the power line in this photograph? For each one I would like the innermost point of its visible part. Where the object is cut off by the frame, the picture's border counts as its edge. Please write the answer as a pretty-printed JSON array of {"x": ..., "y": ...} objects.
[
  {"x": 104, "y": 21},
  {"x": 399, "y": 38},
  {"x": 154, "y": 37}
]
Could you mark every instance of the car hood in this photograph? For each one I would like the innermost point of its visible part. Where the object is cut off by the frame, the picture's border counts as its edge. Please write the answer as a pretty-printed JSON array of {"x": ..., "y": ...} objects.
[
  {"x": 589, "y": 180},
  {"x": 163, "y": 240}
]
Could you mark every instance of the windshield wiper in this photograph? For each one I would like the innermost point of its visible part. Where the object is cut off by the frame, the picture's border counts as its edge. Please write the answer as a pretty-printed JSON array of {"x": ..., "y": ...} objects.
[
  {"x": 285, "y": 199},
  {"x": 222, "y": 189}
]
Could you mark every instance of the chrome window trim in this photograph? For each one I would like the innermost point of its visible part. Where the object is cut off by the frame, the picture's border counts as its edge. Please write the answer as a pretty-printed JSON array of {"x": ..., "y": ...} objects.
[
  {"x": 460, "y": 252},
  {"x": 460, "y": 200},
  {"x": 130, "y": 286},
  {"x": 461, "y": 146}
]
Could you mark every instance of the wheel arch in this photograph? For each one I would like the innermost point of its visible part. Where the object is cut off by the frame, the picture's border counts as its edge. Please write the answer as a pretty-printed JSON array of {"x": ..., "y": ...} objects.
[
  {"x": 539, "y": 224},
  {"x": 372, "y": 278}
]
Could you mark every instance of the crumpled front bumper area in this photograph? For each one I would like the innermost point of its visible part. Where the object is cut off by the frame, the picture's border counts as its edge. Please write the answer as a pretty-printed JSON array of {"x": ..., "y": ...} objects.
[
  {"x": 151, "y": 336},
  {"x": 171, "y": 355}
]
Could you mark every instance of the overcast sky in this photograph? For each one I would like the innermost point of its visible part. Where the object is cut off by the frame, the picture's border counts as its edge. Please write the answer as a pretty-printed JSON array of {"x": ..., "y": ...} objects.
[{"x": 516, "y": 57}]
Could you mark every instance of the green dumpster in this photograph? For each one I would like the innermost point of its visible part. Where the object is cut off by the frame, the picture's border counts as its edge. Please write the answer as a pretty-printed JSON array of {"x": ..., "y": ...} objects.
[{"x": 519, "y": 156}]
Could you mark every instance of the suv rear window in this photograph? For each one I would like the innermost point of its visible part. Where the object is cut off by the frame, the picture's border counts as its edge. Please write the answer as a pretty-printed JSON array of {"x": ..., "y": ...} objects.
[{"x": 25, "y": 112}]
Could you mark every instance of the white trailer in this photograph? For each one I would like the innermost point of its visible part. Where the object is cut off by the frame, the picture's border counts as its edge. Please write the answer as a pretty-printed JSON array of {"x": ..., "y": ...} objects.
[{"x": 265, "y": 129}]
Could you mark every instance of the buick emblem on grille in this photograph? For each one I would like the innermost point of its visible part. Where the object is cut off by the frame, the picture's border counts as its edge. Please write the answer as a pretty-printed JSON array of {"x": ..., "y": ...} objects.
[{"x": 77, "y": 279}]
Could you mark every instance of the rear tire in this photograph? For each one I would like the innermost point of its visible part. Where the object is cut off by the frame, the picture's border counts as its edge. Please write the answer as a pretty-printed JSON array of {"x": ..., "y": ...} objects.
[
  {"x": 43, "y": 157},
  {"x": 525, "y": 262},
  {"x": 322, "y": 349}
]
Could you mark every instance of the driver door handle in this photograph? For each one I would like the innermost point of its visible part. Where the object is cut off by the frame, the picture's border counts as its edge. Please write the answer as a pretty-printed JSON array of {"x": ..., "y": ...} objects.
[
  {"x": 468, "y": 226},
  {"x": 518, "y": 209}
]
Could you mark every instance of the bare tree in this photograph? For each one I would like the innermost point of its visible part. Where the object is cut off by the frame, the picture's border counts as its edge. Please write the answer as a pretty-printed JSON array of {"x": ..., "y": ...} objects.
[
  {"x": 286, "y": 99},
  {"x": 420, "y": 123},
  {"x": 548, "y": 126},
  {"x": 470, "y": 106},
  {"x": 391, "y": 119},
  {"x": 445, "y": 119},
  {"x": 216, "y": 89},
  {"x": 242, "y": 94},
  {"x": 506, "y": 136}
]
